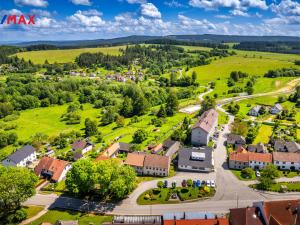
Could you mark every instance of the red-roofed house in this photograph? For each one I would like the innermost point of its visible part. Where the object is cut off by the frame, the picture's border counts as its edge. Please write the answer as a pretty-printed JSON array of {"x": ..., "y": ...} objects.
[
  {"x": 243, "y": 159},
  {"x": 204, "y": 128}
]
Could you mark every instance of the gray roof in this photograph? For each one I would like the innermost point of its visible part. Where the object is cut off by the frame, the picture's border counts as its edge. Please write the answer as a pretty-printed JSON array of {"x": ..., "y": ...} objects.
[
  {"x": 235, "y": 139},
  {"x": 188, "y": 215},
  {"x": 292, "y": 146},
  {"x": 168, "y": 143},
  {"x": 259, "y": 148},
  {"x": 256, "y": 108},
  {"x": 184, "y": 157},
  {"x": 124, "y": 146},
  {"x": 21, "y": 154},
  {"x": 137, "y": 219}
]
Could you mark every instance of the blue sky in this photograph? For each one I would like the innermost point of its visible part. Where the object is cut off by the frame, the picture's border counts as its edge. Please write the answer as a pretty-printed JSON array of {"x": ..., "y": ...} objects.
[{"x": 92, "y": 19}]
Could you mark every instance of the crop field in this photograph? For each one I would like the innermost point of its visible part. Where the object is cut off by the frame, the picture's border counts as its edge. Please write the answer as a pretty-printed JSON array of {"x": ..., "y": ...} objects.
[{"x": 63, "y": 56}]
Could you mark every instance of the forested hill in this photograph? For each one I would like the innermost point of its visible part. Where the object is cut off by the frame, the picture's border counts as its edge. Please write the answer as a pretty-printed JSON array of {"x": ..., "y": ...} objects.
[{"x": 208, "y": 38}]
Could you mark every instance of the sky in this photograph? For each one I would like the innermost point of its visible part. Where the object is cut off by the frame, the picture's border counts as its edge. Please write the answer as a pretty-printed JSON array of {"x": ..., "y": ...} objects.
[{"x": 101, "y": 19}]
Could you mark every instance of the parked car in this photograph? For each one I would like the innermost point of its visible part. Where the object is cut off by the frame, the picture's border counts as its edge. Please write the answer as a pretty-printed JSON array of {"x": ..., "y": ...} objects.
[
  {"x": 257, "y": 173},
  {"x": 184, "y": 183},
  {"x": 208, "y": 183},
  {"x": 198, "y": 183},
  {"x": 165, "y": 184},
  {"x": 212, "y": 183},
  {"x": 203, "y": 183},
  {"x": 194, "y": 183}
]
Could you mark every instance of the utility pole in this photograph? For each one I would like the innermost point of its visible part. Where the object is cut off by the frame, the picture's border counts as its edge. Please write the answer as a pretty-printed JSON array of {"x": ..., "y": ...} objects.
[{"x": 237, "y": 200}]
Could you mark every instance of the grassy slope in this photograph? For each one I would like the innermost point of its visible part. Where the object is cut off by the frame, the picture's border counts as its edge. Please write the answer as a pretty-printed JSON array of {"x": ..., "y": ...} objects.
[
  {"x": 84, "y": 219},
  {"x": 62, "y": 56}
]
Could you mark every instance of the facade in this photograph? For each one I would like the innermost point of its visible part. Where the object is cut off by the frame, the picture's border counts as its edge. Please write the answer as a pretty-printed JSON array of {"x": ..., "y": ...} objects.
[
  {"x": 82, "y": 146},
  {"x": 52, "y": 169},
  {"x": 287, "y": 160},
  {"x": 204, "y": 128},
  {"x": 255, "y": 111},
  {"x": 196, "y": 159},
  {"x": 22, "y": 157},
  {"x": 256, "y": 161},
  {"x": 276, "y": 109},
  {"x": 149, "y": 164}
]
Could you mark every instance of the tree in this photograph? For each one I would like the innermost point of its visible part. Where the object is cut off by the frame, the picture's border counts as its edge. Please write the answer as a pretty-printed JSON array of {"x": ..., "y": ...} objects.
[
  {"x": 127, "y": 107},
  {"x": 90, "y": 127},
  {"x": 109, "y": 115},
  {"x": 16, "y": 186},
  {"x": 99, "y": 137},
  {"x": 139, "y": 136},
  {"x": 171, "y": 104},
  {"x": 265, "y": 183},
  {"x": 160, "y": 184},
  {"x": 189, "y": 182},
  {"x": 81, "y": 178},
  {"x": 6, "y": 109},
  {"x": 247, "y": 172},
  {"x": 270, "y": 171},
  {"x": 140, "y": 105},
  {"x": 162, "y": 111},
  {"x": 38, "y": 139},
  {"x": 194, "y": 77},
  {"x": 207, "y": 103},
  {"x": 120, "y": 121},
  {"x": 239, "y": 128}
]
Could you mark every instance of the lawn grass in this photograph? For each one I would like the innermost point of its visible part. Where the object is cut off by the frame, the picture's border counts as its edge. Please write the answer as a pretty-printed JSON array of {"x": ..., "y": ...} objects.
[
  {"x": 64, "y": 55},
  {"x": 83, "y": 219},
  {"x": 32, "y": 210},
  {"x": 222, "y": 118},
  {"x": 276, "y": 187},
  {"x": 264, "y": 134},
  {"x": 238, "y": 174}
]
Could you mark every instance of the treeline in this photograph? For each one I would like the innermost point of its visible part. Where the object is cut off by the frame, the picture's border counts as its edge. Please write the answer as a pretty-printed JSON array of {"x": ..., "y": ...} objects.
[
  {"x": 285, "y": 72},
  {"x": 265, "y": 46},
  {"x": 41, "y": 47},
  {"x": 156, "y": 58}
]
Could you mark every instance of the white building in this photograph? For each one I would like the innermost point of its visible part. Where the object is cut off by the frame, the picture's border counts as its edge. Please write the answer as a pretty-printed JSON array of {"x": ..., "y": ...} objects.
[
  {"x": 21, "y": 158},
  {"x": 82, "y": 146},
  {"x": 286, "y": 160},
  {"x": 276, "y": 109},
  {"x": 204, "y": 128}
]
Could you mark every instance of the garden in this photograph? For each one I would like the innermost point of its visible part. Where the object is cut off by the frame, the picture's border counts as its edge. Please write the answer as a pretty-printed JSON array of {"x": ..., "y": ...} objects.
[{"x": 280, "y": 187}]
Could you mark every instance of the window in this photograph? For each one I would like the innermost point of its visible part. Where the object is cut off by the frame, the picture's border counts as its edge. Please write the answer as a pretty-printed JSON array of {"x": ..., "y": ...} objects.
[{"x": 292, "y": 162}]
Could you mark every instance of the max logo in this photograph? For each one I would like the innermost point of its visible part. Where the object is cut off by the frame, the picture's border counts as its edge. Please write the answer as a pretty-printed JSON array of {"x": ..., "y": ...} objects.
[{"x": 14, "y": 19}]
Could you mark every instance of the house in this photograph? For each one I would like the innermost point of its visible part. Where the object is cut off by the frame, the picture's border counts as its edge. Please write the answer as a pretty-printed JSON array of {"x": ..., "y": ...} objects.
[
  {"x": 246, "y": 216},
  {"x": 66, "y": 222},
  {"x": 256, "y": 161},
  {"x": 196, "y": 159},
  {"x": 172, "y": 149},
  {"x": 259, "y": 148},
  {"x": 286, "y": 146},
  {"x": 149, "y": 164},
  {"x": 136, "y": 160},
  {"x": 82, "y": 146},
  {"x": 156, "y": 165},
  {"x": 116, "y": 148},
  {"x": 53, "y": 169},
  {"x": 286, "y": 160},
  {"x": 157, "y": 149},
  {"x": 22, "y": 157},
  {"x": 235, "y": 139},
  {"x": 255, "y": 111},
  {"x": 276, "y": 109},
  {"x": 204, "y": 128},
  {"x": 193, "y": 218},
  {"x": 285, "y": 212},
  {"x": 135, "y": 220}
]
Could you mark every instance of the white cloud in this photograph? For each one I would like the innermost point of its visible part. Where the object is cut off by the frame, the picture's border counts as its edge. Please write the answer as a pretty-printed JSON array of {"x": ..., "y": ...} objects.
[
  {"x": 81, "y": 2},
  {"x": 238, "y": 12},
  {"x": 86, "y": 18},
  {"x": 150, "y": 10},
  {"x": 286, "y": 7},
  {"x": 44, "y": 22},
  {"x": 223, "y": 16},
  {"x": 188, "y": 22},
  {"x": 39, "y": 12},
  {"x": 36, "y": 3},
  {"x": 11, "y": 11},
  {"x": 174, "y": 4},
  {"x": 136, "y": 1}
]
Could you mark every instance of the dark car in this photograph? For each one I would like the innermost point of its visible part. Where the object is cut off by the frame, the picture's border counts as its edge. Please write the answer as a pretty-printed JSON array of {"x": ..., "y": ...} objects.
[
  {"x": 184, "y": 183},
  {"x": 165, "y": 184},
  {"x": 198, "y": 183}
]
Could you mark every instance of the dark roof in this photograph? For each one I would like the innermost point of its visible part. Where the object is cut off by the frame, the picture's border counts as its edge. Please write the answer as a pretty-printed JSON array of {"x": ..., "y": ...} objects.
[
  {"x": 259, "y": 148},
  {"x": 21, "y": 154},
  {"x": 292, "y": 146},
  {"x": 245, "y": 216},
  {"x": 80, "y": 144},
  {"x": 279, "y": 145},
  {"x": 124, "y": 146},
  {"x": 235, "y": 139},
  {"x": 168, "y": 143},
  {"x": 184, "y": 157}
]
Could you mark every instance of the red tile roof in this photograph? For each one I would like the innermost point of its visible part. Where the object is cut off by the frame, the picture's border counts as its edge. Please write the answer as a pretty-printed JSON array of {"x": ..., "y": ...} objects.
[
  {"x": 221, "y": 221},
  {"x": 207, "y": 120},
  {"x": 56, "y": 166},
  {"x": 157, "y": 161},
  {"x": 286, "y": 156},
  {"x": 135, "y": 159},
  {"x": 157, "y": 148},
  {"x": 250, "y": 156},
  {"x": 245, "y": 216}
]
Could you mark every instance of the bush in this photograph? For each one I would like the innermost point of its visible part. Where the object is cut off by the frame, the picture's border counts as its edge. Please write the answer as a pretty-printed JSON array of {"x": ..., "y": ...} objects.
[{"x": 247, "y": 173}]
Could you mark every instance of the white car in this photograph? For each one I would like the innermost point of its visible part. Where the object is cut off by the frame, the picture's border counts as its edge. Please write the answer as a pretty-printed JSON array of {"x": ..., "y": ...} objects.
[
  {"x": 208, "y": 183},
  {"x": 257, "y": 173},
  {"x": 212, "y": 183}
]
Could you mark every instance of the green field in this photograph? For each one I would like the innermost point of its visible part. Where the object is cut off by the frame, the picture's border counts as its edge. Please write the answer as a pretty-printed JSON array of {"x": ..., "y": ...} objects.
[
  {"x": 63, "y": 56},
  {"x": 264, "y": 134},
  {"x": 83, "y": 219}
]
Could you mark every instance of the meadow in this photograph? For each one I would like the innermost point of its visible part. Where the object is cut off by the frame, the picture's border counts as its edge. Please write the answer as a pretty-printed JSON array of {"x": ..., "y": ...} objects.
[{"x": 64, "y": 55}]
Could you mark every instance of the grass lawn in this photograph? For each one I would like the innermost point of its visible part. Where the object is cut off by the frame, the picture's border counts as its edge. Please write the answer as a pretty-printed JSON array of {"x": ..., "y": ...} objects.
[
  {"x": 64, "y": 55},
  {"x": 32, "y": 210},
  {"x": 264, "y": 134},
  {"x": 276, "y": 187},
  {"x": 84, "y": 219},
  {"x": 238, "y": 174},
  {"x": 289, "y": 174},
  {"x": 298, "y": 134},
  {"x": 223, "y": 118}
]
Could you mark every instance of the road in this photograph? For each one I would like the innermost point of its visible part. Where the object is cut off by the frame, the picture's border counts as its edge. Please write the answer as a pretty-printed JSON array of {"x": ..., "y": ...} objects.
[{"x": 230, "y": 192}]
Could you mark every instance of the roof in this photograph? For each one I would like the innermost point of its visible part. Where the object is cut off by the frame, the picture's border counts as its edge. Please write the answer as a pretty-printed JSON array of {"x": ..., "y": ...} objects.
[
  {"x": 173, "y": 149},
  {"x": 259, "y": 148},
  {"x": 277, "y": 106},
  {"x": 101, "y": 157},
  {"x": 111, "y": 150},
  {"x": 221, "y": 221},
  {"x": 124, "y": 146},
  {"x": 282, "y": 212},
  {"x": 80, "y": 144},
  {"x": 207, "y": 120},
  {"x": 250, "y": 156},
  {"x": 292, "y": 146},
  {"x": 56, "y": 166},
  {"x": 168, "y": 143},
  {"x": 235, "y": 138},
  {"x": 188, "y": 215},
  {"x": 21, "y": 154},
  {"x": 286, "y": 156},
  {"x": 134, "y": 220},
  {"x": 157, "y": 161},
  {"x": 135, "y": 159},
  {"x": 185, "y": 157},
  {"x": 256, "y": 108},
  {"x": 279, "y": 144},
  {"x": 66, "y": 222},
  {"x": 245, "y": 216},
  {"x": 157, "y": 148}
]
